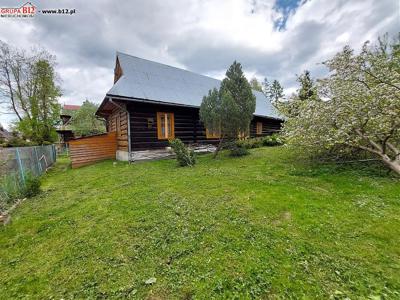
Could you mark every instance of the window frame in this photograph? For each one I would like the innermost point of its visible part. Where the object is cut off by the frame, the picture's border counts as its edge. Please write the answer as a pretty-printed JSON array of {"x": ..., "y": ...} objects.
[
  {"x": 259, "y": 128},
  {"x": 170, "y": 116}
]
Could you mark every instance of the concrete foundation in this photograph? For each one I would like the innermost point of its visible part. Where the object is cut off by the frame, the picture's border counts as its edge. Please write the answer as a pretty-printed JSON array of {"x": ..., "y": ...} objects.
[
  {"x": 160, "y": 153},
  {"x": 122, "y": 155}
]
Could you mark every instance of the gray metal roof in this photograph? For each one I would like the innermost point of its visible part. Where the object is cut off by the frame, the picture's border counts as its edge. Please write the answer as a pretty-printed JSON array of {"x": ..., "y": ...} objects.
[{"x": 145, "y": 79}]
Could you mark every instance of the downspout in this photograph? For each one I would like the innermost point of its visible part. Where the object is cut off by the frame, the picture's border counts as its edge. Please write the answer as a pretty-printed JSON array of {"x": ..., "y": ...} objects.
[{"x": 129, "y": 127}]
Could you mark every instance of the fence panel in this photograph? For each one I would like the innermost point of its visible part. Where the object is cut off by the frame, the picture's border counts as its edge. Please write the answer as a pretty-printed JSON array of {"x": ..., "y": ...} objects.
[
  {"x": 88, "y": 150},
  {"x": 16, "y": 164},
  {"x": 22, "y": 160}
]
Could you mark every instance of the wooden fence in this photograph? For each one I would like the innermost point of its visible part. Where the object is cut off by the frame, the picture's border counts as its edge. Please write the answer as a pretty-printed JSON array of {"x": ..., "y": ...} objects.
[{"x": 88, "y": 150}]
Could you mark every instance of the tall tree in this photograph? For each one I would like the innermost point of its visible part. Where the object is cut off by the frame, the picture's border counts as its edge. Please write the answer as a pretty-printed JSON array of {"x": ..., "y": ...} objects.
[
  {"x": 84, "y": 121},
  {"x": 307, "y": 86},
  {"x": 28, "y": 86},
  {"x": 273, "y": 91},
  {"x": 306, "y": 92},
  {"x": 229, "y": 111},
  {"x": 266, "y": 87},
  {"x": 238, "y": 101},
  {"x": 9, "y": 70},
  {"x": 361, "y": 107},
  {"x": 211, "y": 112},
  {"x": 255, "y": 84}
]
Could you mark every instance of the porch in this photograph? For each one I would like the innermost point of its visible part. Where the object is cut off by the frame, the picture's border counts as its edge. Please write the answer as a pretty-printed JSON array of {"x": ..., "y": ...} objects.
[{"x": 167, "y": 153}]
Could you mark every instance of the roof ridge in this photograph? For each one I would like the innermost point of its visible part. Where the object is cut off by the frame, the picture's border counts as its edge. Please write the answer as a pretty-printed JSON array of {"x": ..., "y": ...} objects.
[{"x": 156, "y": 62}]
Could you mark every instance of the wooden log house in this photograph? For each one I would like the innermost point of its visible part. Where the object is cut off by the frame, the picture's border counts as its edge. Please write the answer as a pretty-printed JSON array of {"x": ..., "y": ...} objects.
[{"x": 151, "y": 103}]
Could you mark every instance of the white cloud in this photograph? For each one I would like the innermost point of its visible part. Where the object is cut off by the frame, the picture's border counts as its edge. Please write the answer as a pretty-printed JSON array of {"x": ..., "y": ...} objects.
[{"x": 80, "y": 84}]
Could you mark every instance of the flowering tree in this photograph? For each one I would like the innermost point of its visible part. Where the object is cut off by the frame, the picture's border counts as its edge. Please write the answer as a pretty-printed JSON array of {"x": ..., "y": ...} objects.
[{"x": 360, "y": 107}]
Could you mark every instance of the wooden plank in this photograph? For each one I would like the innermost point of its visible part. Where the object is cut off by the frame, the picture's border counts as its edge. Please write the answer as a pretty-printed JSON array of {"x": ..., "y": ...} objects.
[
  {"x": 88, "y": 154},
  {"x": 91, "y": 153},
  {"x": 99, "y": 157},
  {"x": 89, "y": 150}
]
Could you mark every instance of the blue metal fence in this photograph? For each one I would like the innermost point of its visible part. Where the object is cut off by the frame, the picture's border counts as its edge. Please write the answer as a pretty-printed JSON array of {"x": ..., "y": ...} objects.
[
  {"x": 34, "y": 160},
  {"x": 17, "y": 164}
]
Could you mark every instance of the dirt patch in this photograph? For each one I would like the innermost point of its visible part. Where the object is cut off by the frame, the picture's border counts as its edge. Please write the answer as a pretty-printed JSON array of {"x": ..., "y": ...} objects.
[{"x": 284, "y": 217}]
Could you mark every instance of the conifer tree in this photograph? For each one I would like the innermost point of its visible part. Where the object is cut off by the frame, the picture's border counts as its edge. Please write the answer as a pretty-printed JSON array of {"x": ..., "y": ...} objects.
[
  {"x": 229, "y": 111},
  {"x": 274, "y": 91}
]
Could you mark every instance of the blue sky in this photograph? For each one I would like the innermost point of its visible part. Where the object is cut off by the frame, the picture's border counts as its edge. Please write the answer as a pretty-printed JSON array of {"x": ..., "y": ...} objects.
[
  {"x": 274, "y": 39},
  {"x": 286, "y": 7}
]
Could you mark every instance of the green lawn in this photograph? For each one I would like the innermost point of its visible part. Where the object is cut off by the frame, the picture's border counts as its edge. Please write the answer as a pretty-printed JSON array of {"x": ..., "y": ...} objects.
[{"x": 260, "y": 226}]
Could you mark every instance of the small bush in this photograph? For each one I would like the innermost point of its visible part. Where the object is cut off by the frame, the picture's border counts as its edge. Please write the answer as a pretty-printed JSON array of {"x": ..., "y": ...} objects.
[
  {"x": 269, "y": 141},
  {"x": 16, "y": 141},
  {"x": 12, "y": 188},
  {"x": 237, "y": 151},
  {"x": 184, "y": 155},
  {"x": 272, "y": 140},
  {"x": 31, "y": 187},
  {"x": 249, "y": 143}
]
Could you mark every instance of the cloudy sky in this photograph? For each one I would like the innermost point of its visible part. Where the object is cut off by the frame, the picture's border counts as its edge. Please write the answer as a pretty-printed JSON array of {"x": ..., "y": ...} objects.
[{"x": 271, "y": 38}]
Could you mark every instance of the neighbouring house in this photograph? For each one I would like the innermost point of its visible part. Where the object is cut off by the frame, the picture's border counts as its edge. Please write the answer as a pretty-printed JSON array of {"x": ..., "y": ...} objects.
[
  {"x": 64, "y": 129},
  {"x": 151, "y": 103},
  {"x": 4, "y": 134}
]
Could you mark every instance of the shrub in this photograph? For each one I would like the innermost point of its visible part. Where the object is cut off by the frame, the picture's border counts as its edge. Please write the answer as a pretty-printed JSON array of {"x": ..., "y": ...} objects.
[
  {"x": 184, "y": 155},
  {"x": 12, "y": 188},
  {"x": 237, "y": 151},
  {"x": 31, "y": 187},
  {"x": 16, "y": 141},
  {"x": 249, "y": 143},
  {"x": 272, "y": 140}
]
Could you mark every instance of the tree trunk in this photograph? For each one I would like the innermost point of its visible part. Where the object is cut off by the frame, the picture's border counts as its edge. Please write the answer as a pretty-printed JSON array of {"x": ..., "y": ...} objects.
[
  {"x": 392, "y": 164},
  {"x": 218, "y": 148}
]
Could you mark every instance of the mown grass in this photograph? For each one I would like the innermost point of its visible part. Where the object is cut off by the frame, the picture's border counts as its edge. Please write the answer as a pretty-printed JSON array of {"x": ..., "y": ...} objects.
[{"x": 261, "y": 226}]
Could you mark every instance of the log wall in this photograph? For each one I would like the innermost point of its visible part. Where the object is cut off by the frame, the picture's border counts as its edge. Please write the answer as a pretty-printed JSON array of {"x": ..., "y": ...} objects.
[
  {"x": 188, "y": 127},
  {"x": 143, "y": 121},
  {"x": 88, "y": 150},
  {"x": 118, "y": 122},
  {"x": 269, "y": 126}
]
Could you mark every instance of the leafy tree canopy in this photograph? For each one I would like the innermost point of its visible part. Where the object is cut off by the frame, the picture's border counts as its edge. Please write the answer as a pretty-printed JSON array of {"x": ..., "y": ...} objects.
[
  {"x": 360, "y": 107},
  {"x": 84, "y": 122},
  {"x": 42, "y": 107},
  {"x": 255, "y": 84},
  {"x": 28, "y": 85}
]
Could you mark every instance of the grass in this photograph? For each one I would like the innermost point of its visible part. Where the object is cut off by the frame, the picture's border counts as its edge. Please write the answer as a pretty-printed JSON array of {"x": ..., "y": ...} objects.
[{"x": 261, "y": 226}]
